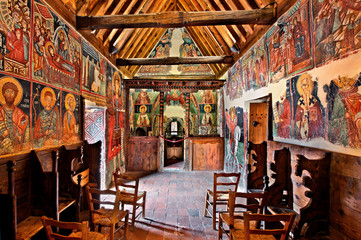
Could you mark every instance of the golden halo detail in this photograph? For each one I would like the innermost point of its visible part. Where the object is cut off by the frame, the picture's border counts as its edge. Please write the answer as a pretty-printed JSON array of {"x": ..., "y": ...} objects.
[
  {"x": 17, "y": 84},
  {"x": 42, "y": 96}
]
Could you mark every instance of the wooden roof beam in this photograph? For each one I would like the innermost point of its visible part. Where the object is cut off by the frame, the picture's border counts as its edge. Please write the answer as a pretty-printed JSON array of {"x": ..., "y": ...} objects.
[
  {"x": 177, "y": 19},
  {"x": 174, "y": 60}
]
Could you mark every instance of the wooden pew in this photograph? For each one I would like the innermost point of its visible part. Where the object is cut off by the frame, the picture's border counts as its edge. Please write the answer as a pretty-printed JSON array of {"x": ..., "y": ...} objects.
[
  {"x": 256, "y": 166},
  {"x": 30, "y": 187}
]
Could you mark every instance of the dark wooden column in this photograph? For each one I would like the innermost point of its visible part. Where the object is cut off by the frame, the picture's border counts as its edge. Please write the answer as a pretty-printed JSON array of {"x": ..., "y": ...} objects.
[
  {"x": 187, "y": 114},
  {"x": 161, "y": 111}
]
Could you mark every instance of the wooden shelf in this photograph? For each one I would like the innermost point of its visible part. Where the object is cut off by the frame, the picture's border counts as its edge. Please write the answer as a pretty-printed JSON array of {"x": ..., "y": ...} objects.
[{"x": 64, "y": 203}]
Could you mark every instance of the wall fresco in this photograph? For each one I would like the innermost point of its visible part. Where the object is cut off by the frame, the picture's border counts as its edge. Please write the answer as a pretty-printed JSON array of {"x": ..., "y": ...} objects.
[
  {"x": 254, "y": 71},
  {"x": 94, "y": 73},
  {"x": 235, "y": 84},
  {"x": 289, "y": 43},
  {"x": 14, "y": 114},
  {"x": 337, "y": 28},
  {"x": 15, "y": 37},
  {"x": 344, "y": 108},
  {"x": 70, "y": 121},
  {"x": 175, "y": 42},
  {"x": 115, "y": 99},
  {"x": 234, "y": 134},
  {"x": 56, "y": 50},
  {"x": 46, "y": 116}
]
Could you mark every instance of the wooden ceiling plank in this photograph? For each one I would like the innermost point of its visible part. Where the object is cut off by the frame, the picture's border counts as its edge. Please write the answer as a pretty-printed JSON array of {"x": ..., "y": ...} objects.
[
  {"x": 206, "y": 50},
  {"x": 114, "y": 11},
  {"x": 147, "y": 48},
  {"x": 219, "y": 42},
  {"x": 178, "y": 19},
  {"x": 139, "y": 35}
]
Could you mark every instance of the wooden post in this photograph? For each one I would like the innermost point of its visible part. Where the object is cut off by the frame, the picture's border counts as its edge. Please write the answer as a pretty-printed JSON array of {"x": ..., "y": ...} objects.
[
  {"x": 161, "y": 112},
  {"x": 12, "y": 198},
  {"x": 187, "y": 114}
]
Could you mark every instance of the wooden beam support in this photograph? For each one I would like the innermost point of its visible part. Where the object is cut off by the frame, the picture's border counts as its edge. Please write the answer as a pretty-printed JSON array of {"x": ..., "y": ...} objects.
[
  {"x": 174, "y": 60},
  {"x": 178, "y": 19}
]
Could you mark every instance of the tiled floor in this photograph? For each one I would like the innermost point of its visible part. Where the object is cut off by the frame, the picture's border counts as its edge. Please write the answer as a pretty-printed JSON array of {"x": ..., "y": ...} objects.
[{"x": 174, "y": 207}]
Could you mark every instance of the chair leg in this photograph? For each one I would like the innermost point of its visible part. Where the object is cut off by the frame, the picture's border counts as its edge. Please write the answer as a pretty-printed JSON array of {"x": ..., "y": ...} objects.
[
  {"x": 134, "y": 215},
  {"x": 206, "y": 205},
  {"x": 214, "y": 214},
  {"x": 220, "y": 231},
  {"x": 143, "y": 213}
]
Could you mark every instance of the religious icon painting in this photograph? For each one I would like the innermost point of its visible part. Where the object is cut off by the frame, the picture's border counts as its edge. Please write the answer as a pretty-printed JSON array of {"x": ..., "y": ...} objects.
[
  {"x": 337, "y": 29},
  {"x": 254, "y": 67},
  {"x": 309, "y": 113},
  {"x": 15, "y": 37},
  {"x": 344, "y": 111},
  {"x": 56, "y": 50},
  {"x": 289, "y": 43},
  {"x": 46, "y": 116},
  {"x": 70, "y": 118},
  {"x": 282, "y": 114},
  {"x": 94, "y": 74},
  {"x": 14, "y": 114},
  {"x": 234, "y": 84}
]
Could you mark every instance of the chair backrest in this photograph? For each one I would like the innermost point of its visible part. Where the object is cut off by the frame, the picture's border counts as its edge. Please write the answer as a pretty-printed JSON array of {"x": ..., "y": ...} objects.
[
  {"x": 95, "y": 200},
  {"x": 286, "y": 218},
  {"x": 127, "y": 185},
  {"x": 49, "y": 224},
  {"x": 244, "y": 202},
  {"x": 225, "y": 182}
]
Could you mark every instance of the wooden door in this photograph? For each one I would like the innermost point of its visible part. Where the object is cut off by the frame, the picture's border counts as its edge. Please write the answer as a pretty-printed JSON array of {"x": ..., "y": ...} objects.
[{"x": 258, "y": 122}]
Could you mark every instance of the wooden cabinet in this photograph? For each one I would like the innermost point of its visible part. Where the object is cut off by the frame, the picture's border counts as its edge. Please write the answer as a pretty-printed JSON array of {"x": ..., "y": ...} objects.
[
  {"x": 143, "y": 153},
  {"x": 207, "y": 153}
]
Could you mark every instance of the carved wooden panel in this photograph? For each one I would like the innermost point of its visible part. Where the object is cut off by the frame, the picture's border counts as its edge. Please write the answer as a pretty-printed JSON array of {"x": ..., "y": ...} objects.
[
  {"x": 207, "y": 153},
  {"x": 257, "y": 160},
  {"x": 142, "y": 154}
]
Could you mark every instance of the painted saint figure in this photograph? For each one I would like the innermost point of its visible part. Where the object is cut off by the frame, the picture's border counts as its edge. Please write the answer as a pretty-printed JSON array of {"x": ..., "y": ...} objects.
[
  {"x": 207, "y": 117},
  {"x": 13, "y": 121},
  {"x": 47, "y": 124},
  {"x": 143, "y": 119},
  {"x": 70, "y": 128},
  {"x": 284, "y": 111},
  {"x": 309, "y": 118}
]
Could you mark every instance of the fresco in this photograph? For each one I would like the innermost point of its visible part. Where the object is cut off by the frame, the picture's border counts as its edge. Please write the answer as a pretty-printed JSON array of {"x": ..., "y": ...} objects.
[
  {"x": 282, "y": 114},
  {"x": 46, "y": 116},
  {"x": 94, "y": 73},
  {"x": 115, "y": 121},
  {"x": 254, "y": 71},
  {"x": 56, "y": 50},
  {"x": 14, "y": 114},
  {"x": 344, "y": 108},
  {"x": 15, "y": 37},
  {"x": 337, "y": 28},
  {"x": 70, "y": 111},
  {"x": 235, "y": 84},
  {"x": 234, "y": 136},
  {"x": 189, "y": 49},
  {"x": 289, "y": 43},
  {"x": 175, "y": 42}
]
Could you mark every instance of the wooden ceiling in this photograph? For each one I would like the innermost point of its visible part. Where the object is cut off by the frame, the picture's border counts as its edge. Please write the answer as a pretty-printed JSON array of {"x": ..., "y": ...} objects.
[{"x": 212, "y": 40}]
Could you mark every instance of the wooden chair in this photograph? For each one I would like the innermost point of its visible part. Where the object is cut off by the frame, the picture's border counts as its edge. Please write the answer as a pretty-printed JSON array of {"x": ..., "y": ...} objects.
[
  {"x": 101, "y": 217},
  {"x": 80, "y": 231},
  {"x": 222, "y": 184},
  {"x": 128, "y": 186},
  {"x": 249, "y": 232},
  {"x": 238, "y": 204}
]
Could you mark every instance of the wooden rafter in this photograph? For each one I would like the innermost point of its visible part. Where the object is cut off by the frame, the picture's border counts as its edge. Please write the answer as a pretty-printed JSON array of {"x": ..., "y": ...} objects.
[
  {"x": 174, "y": 60},
  {"x": 177, "y": 19}
]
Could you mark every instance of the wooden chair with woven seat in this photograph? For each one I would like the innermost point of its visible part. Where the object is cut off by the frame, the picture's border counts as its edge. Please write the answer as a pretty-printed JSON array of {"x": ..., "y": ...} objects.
[
  {"x": 222, "y": 184},
  {"x": 80, "y": 231},
  {"x": 238, "y": 204},
  {"x": 128, "y": 186},
  {"x": 114, "y": 218},
  {"x": 248, "y": 232}
]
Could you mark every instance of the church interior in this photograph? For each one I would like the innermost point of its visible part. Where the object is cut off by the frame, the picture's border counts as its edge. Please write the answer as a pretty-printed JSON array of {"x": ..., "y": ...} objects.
[{"x": 180, "y": 119}]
